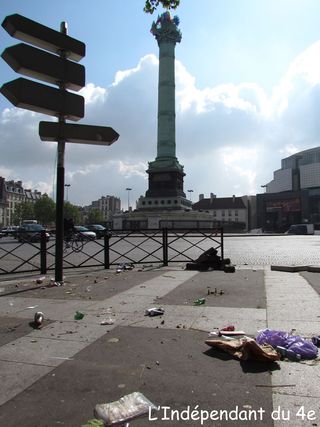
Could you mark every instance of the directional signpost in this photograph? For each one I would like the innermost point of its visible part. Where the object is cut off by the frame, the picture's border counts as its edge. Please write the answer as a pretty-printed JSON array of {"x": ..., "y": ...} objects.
[
  {"x": 60, "y": 68},
  {"x": 82, "y": 134}
]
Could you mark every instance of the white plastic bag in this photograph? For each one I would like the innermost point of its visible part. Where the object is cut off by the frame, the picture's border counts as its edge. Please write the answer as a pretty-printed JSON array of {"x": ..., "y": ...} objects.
[{"x": 127, "y": 408}]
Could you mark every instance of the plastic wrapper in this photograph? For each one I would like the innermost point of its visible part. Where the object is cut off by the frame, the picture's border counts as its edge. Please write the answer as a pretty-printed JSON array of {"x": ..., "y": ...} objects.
[
  {"x": 273, "y": 338},
  {"x": 245, "y": 349},
  {"x": 127, "y": 408},
  {"x": 305, "y": 348}
]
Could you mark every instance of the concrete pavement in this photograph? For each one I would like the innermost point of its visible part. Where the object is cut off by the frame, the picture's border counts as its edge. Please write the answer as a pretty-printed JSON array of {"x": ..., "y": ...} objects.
[{"x": 56, "y": 375}]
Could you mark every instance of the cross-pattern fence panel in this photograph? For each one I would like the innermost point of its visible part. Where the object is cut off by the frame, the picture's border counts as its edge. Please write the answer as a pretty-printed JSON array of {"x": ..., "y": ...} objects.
[{"x": 134, "y": 247}]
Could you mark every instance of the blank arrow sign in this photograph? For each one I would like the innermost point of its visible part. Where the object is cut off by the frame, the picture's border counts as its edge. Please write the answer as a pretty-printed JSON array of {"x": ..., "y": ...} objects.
[
  {"x": 44, "y": 99},
  {"x": 82, "y": 134},
  {"x": 32, "y": 32},
  {"x": 42, "y": 65}
]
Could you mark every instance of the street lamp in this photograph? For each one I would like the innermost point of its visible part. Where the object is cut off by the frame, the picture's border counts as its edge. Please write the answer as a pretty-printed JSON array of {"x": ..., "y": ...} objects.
[
  {"x": 67, "y": 187},
  {"x": 190, "y": 191},
  {"x": 128, "y": 190}
]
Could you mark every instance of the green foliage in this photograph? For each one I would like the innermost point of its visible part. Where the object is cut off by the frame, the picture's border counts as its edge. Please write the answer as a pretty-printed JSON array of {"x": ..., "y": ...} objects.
[
  {"x": 95, "y": 217},
  {"x": 151, "y": 5},
  {"x": 72, "y": 211},
  {"x": 45, "y": 210},
  {"x": 22, "y": 211}
]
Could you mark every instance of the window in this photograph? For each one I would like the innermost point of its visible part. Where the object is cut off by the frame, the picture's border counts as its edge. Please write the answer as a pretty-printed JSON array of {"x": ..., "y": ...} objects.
[
  {"x": 223, "y": 213},
  {"x": 229, "y": 212},
  {"x": 236, "y": 212},
  {"x": 214, "y": 213}
]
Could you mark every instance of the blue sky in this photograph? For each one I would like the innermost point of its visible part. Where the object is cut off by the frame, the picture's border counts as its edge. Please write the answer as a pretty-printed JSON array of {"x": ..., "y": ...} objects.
[{"x": 247, "y": 80}]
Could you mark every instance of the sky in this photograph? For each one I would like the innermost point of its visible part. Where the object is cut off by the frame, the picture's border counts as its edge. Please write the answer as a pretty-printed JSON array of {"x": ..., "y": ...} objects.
[{"x": 247, "y": 95}]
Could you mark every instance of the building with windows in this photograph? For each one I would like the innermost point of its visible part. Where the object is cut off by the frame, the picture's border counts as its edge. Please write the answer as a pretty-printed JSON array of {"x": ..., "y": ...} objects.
[
  {"x": 12, "y": 193},
  {"x": 293, "y": 196},
  {"x": 231, "y": 213},
  {"x": 300, "y": 171},
  {"x": 3, "y": 202},
  {"x": 107, "y": 205},
  {"x": 32, "y": 195}
]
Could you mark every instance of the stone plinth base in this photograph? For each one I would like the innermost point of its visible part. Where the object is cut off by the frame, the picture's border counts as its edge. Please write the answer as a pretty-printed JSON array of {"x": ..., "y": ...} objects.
[
  {"x": 153, "y": 220},
  {"x": 171, "y": 203}
]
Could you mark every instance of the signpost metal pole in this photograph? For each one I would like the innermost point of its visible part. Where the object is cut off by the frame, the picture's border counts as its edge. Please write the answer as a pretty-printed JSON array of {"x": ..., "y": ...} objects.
[{"x": 60, "y": 188}]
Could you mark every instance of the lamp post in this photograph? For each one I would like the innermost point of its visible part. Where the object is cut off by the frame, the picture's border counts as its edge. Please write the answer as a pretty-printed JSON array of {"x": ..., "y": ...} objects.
[
  {"x": 67, "y": 187},
  {"x": 128, "y": 190},
  {"x": 190, "y": 191}
]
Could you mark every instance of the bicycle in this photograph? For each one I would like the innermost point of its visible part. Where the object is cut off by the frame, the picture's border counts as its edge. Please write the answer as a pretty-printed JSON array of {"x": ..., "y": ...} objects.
[{"x": 73, "y": 241}]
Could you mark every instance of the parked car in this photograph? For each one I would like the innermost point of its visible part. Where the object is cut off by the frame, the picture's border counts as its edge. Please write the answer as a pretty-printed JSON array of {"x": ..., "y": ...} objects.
[
  {"x": 100, "y": 230},
  {"x": 84, "y": 233},
  {"x": 10, "y": 230},
  {"x": 301, "y": 229},
  {"x": 31, "y": 233}
]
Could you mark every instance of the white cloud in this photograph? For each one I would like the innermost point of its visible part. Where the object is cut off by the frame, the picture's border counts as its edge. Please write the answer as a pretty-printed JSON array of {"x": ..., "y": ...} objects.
[
  {"x": 147, "y": 60},
  {"x": 43, "y": 187},
  {"x": 129, "y": 170},
  {"x": 230, "y": 137},
  {"x": 93, "y": 94}
]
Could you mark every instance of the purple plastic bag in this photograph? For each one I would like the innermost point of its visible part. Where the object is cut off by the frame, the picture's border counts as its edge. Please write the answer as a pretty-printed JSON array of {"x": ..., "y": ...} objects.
[
  {"x": 299, "y": 345},
  {"x": 274, "y": 338},
  {"x": 306, "y": 349}
]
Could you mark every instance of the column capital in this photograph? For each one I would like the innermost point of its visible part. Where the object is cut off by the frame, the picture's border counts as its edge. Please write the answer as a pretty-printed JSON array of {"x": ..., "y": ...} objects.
[{"x": 165, "y": 29}]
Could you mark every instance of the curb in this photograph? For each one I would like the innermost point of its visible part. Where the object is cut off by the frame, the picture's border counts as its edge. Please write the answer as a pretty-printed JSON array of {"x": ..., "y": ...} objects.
[{"x": 296, "y": 268}]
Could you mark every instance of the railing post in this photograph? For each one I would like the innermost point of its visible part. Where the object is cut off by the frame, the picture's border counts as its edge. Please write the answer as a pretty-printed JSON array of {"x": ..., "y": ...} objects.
[
  {"x": 106, "y": 251},
  {"x": 43, "y": 252},
  {"x": 165, "y": 246}
]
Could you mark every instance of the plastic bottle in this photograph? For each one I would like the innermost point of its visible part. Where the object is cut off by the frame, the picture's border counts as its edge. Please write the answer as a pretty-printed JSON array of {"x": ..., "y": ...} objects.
[
  {"x": 199, "y": 301},
  {"x": 289, "y": 354}
]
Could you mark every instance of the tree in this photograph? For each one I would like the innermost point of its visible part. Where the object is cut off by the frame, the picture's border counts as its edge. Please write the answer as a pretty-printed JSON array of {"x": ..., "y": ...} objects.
[
  {"x": 72, "y": 211},
  {"x": 23, "y": 210},
  {"x": 151, "y": 5},
  {"x": 95, "y": 216},
  {"x": 44, "y": 210}
]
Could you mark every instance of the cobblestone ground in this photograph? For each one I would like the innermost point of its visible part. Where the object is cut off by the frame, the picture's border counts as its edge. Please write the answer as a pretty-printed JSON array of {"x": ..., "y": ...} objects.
[{"x": 273, "y": 250}]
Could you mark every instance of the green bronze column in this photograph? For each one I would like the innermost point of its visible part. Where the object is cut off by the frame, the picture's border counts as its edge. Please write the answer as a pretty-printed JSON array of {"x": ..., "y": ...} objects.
[
  {"x": 167, "y": 35},
  {"x": 166, "y": 175}
]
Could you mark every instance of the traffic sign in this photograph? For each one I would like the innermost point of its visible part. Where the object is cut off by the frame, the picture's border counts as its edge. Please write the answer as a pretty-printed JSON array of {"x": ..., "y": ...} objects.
[
  {"x": 32, "y": 32},
  {"x": 44, "y": 99},
  {"x": 82, "y": 134},
  {"x": 37, "y": 63},
  {"x": 59, "y": 70}
]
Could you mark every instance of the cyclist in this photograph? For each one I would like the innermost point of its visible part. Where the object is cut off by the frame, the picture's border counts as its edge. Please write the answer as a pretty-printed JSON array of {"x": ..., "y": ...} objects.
[{"x": 69, "y": 230}]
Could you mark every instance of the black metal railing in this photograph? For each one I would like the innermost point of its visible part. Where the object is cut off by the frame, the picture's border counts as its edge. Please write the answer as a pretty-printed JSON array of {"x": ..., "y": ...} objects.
[{"x": 37, "y": 253}]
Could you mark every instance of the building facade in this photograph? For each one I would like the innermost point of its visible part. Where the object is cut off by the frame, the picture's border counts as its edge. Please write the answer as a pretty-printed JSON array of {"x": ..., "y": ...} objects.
[
  {"x": 301, "y": 171},
  {"x": 107, "y": 205},
  {"x": 3, "y": 202},
  {"x": 293, "y": 196},
  {"x": 231, "y": 213},
  {"x": 12, "y": 194}
]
